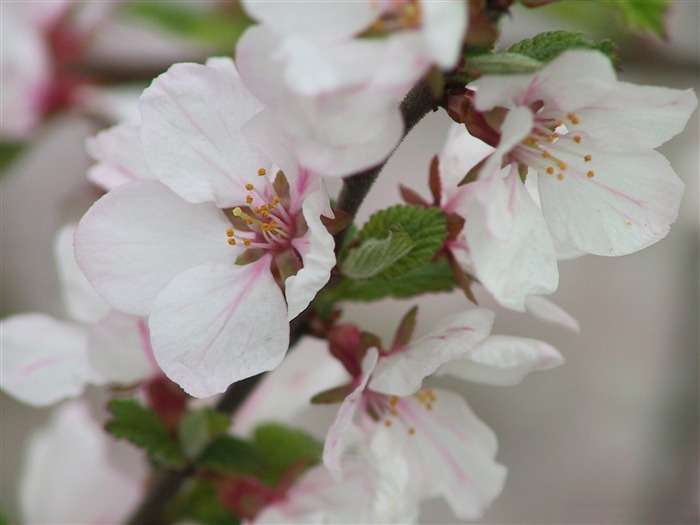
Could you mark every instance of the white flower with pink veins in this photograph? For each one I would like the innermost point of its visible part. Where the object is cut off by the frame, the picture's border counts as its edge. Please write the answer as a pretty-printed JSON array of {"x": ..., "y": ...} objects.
[
  {"x": 336, "y": 91},
  {"x": 590, "y": 139},
  {"x": 225, "y": 246}
]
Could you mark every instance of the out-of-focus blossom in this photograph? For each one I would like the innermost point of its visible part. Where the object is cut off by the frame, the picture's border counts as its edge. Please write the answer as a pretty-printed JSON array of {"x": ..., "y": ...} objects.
[
  {"x": 227, "y": 190},
  {"x": 45, "y": 360},
  {"x": 68, "y": 477},
  {"x": 334, "y": 89}
]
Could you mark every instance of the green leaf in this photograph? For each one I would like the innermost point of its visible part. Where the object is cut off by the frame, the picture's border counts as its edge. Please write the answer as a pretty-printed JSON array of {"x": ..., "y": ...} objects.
[
  {"x": 644, "y": 15},
  {"x": 547, "y": 46},
  {"x": 202, "y": 506},
  {"x": 284, "y": 447},
  {"x": 376, "y": 255},
  {"x": 3, "y": 519},
  {"x": 229, "y": 454},
  {"x": 217, "y": 27},
  {"x": 430, "y": 278},
  {"x": 193, "y": 431},
  {"x": 503, "y": 64},
  {"x": 142, "y": 427},
  {"x": 425, "y": 227},
  {"x": 9, "y": 151}
]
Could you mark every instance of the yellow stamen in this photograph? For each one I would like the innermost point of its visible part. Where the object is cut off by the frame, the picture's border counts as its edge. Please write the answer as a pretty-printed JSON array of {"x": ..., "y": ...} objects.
[
  {"x": 587, "y": 158},
  {"x": 590, "y": 174},
  {"x": 229, "y": 232},
  {"x": 550, "y": 170},
  {"x": 577, "y": 139},
  {"x": 262, "y": 172},
  {"x": 249, "y": 187},
  {"x": 232, "y": 241},
  {"x": 560, "y": 176},
  {"x": 246, "y": 242},
  {"x": 573, "y": 118},
  {"x": 249, "y": 199}
]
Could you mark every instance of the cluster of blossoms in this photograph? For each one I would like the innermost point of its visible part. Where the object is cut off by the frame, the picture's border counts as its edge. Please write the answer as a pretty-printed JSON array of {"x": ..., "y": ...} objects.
[{"x": 216, "y": 231}]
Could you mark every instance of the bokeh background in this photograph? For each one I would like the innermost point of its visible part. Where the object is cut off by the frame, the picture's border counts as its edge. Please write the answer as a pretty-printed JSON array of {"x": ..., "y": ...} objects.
[{"x": 611, "y": 437}]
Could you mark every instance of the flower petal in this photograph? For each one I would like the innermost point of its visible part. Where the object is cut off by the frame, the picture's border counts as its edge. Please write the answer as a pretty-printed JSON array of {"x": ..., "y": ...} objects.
[
  {"x": 43, "y": 360},
  {"x": 575, "y": 79},
  {"x": 316, "y": 248},
  {"x": 402, "y": 372},
  {"x": 216, "y": 324},
  {"x": 451, "y": 452},
  {"x": 521, "y": 264},
  {"x": 67, "y": 477},
  {"x": 612, "y": 205},
  {"x": 120, "y": 157},
  {"x": 344, "y": 432},
  {"x": 325, "y": 21},
  {"x": 548, "y": 312},
  {"x": 444, "y": 25},
  {"x": 632, "y": 118},
  {"x": 193, "y": 144},
  {"x": 134, "y": 240},
  {"x": 284, "y": 395},
  {"x": 504, "y": 360},
  {"x": 119, "y": 349},
  {"x": 318, "y": 498},
  {"x": 82, "y": 301}
]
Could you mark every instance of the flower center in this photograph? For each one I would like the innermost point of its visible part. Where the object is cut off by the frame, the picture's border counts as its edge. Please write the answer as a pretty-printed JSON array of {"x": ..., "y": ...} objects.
[
  {"x": 550, "y": 136},
  {"x": 388, "y": 408},
  {"x": 263, "y": 222},
  {"x": 401, "y": 15}
]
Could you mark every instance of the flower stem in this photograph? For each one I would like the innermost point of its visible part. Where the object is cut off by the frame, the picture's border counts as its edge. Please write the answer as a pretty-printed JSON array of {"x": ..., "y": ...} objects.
[{"x": 417, "y": 104}]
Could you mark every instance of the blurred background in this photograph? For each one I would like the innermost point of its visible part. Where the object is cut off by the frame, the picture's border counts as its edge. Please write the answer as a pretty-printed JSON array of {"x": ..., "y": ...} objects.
[{"x": 611, "y": 437}]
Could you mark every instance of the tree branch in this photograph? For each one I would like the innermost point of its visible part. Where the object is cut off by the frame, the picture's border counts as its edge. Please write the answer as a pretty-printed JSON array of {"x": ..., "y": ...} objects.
[{"x": 418, "y": 103}]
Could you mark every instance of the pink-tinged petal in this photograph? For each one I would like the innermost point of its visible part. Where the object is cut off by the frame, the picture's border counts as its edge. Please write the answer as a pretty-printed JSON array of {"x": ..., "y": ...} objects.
[
  {"x": 284, "y": 394},
  {"x": 395, "y": 498},
  {"x": 575, "y": 79},
  {"x": 504, "y": 360},
  {"x": 263, "y": 131},
  {"x": 112, "y": 104},
  {"x": 43, "y": 360},
  {"x": 119, "y": 349},
  {"x": 26, "y": 72},
  {"x": 133, "y": 241},
  {"x": 81, "y": 300},
  {"x": 402, "y": 372},
  {"x": 191, "y": 133},
  {"x": 521, "y": 264},
  {"x": 318, "y": 498},
  {"x": 445, "y": 24},
  {"x": 223, "y": 65},
  {"x": 325, "y": 21},
  {"x": 612, "y": 205},
  {"x": 452, "y": 452},
  {"x": 216, "y": 324},
  {"x": 548, "y": 312},
  {"x": 459, "y": 155},
  {"x": 631, "y": 118},
  {"x": 344, "y": 432},
  {"x": 316, "y": 248},
  {"x": 379, "y": 134},
  {"x": 493, "y": 195},
  {"x": 67, "y": 476},
  {"x": 119, "y": 157},
  {"x": 258, "y": 66}
]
